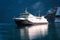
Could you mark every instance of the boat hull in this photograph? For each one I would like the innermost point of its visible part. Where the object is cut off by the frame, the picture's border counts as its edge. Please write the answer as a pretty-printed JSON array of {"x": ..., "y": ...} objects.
[
  {"x": 26, "y": 22},
  {"x": 22, "y": 22}
]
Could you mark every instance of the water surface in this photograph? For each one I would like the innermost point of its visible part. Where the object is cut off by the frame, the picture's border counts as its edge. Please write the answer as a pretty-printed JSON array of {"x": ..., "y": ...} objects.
[{"x": 49, "y": 31}]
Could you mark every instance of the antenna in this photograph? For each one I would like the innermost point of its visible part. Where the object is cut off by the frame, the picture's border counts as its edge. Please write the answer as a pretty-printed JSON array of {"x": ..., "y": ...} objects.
[
  {"x": 39, "y": 13},
  {"x": 26, "y": 10}
]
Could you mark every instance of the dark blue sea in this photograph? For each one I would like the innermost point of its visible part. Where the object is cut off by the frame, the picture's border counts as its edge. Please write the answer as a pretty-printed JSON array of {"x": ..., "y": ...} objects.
[{"x": 49, "y": 31}]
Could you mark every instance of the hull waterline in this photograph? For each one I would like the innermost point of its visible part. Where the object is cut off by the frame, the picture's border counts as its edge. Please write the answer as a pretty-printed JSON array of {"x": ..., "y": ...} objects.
[{"x": 26, "y": 22}]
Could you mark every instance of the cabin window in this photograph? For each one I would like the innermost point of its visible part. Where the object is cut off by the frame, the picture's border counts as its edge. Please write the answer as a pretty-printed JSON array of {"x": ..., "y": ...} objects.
[{"x": 24, "y": 15}]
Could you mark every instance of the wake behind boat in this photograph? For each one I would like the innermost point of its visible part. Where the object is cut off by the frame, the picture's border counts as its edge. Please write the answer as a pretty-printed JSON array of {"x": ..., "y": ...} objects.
[{"x": 27, "y": 18}]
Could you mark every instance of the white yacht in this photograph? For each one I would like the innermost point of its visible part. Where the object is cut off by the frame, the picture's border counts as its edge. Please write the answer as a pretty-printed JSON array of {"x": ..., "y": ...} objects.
[{"x": 27, "y": 18}]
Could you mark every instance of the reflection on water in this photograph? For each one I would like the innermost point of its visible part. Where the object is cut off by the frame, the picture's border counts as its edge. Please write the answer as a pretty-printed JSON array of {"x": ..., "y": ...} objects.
[
  {"x": 24, "y": 33},
  {"x": 34, "y": 32},
  {"x": 49, "y": 31},
  {"x": 38, "y": 31},
  {"x": 43, "y": 32}
]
